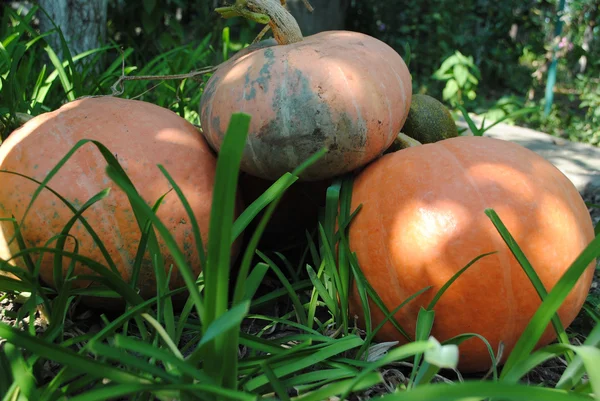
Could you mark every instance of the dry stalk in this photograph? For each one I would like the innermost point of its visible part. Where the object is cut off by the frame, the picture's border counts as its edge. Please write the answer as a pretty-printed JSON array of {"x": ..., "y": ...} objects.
[{"x": 118, "y": 88}]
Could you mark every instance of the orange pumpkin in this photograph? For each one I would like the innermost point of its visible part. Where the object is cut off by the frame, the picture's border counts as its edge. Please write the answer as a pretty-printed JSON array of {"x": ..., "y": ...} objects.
[
  {"x": 342, "y": 90},
  {"x": 423, "y": 219},
  {"x": 140, "y": 135}
]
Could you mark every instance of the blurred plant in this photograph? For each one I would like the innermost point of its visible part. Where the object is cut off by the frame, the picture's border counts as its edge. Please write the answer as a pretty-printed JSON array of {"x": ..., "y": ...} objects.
[
  {"x": 588, "y": 128},
  {"x": 31, "y": 84},
  {"x": 461, "y": 76}
]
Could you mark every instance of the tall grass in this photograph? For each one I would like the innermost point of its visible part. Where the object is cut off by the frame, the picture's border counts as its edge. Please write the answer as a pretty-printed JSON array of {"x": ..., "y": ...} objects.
[{"x": 147, "y": 359}]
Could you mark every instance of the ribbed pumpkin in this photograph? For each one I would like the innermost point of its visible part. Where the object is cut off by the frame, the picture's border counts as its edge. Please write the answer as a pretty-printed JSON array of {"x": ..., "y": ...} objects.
[
  {"x": 140, "y": 135},
  {"x": 342, "y": 90},
  {"x": 422, "y": 220}
]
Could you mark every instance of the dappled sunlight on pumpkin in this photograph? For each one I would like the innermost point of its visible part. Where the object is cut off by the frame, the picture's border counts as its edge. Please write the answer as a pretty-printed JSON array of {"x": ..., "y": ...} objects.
[
  {"x": 424, "y": 216},
  {"x": 140, "y": 136},
  {"x": 344, "y": 91},
  {"x": 175, "y": 137}
]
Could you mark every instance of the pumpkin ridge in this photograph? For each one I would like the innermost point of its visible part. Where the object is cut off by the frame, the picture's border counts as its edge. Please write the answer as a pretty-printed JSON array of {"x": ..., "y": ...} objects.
[{"x": 497, "y": 242}]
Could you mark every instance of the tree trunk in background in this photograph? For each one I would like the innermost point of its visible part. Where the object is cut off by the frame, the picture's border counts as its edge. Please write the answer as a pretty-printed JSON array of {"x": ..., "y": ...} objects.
[
  {"x": 83, "y": 23},
  {"x": 328, "y": 15}
]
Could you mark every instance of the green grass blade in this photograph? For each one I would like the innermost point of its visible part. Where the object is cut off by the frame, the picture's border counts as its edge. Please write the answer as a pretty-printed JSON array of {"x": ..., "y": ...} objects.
[
  {"x": 465, "y": 336},
  {"x": 60, "y": 243},
  {"x": 285, "y": 181},
  {"x": 298, "y": 307},
  {"x": 338, "y": 347},
  {"x": 394, "y": 355},
  {"x": 475, "y": 390},
  {"x": 164, "y": 335},
  {"x": 131, "y": 362},
  {"x": 268, "y": 196},
  {"x": 66, "y": 356},
  {"x": 531, "y": 274},
  {"x": 321, "y": 290},
  {"x": 72, "y": 208},
  {"x": 452, "y": 279},
  {"x": 192, "y": 218},
  {"x": 140, "y": 205},
  {"x": 216, "y": 274},
  {"x": 371, "y": 335},
  {"x": 21, "y": 371},
  {"x": 328, "y": 392},
  {"x": 550, "y": 305},
  {"x": 123, "y": 390},
  {"x": 254, "y": 280},
  {"x": 221, "y": 356},
  {"x": 107, "y": 276},
  {"x": 476, "y": 131},
  {"x": 227, "y": 321},
  {"x": 159, "y": 354},
  {"x": 575, "y": 370}
]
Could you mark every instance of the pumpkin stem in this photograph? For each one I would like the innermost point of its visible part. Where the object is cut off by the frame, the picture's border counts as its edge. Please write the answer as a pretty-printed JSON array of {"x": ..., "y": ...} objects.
[{"x": 272, "y": 12}]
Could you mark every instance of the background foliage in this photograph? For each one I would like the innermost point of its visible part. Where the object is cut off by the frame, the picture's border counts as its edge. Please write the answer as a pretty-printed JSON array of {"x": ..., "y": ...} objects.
[{"x": 489, "y": 56}]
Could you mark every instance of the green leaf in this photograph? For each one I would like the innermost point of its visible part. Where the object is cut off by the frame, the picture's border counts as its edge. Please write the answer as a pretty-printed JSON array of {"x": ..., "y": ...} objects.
[
  {"x": 461, "y": 73},
  {"x": 149, "y": 5},
  {"x": 4, "y": 60},
  {"x": 575, "y": 370},
  {"x": 452, "y": 279},
  {"x": 149, "y": 23},
  {"x": 450, "y": 89},
  {"x": 447, "y": 64},
  {"x": 394, "y": 355}
]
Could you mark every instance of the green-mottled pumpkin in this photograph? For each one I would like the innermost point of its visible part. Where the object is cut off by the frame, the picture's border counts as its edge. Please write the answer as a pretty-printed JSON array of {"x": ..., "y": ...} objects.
[{"x": 342, "y": 90}]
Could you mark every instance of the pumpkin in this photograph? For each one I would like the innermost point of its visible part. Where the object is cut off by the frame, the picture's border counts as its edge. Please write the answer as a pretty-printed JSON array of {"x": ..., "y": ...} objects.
[
  {"x": 140, "y": 135},
  {"x": 342, "y": 90},
  {"x": 422, "y": 220}
]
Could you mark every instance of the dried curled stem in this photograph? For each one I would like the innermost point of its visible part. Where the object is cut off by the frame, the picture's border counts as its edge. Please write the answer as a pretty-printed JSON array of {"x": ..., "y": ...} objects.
[
  {"x": 117, "y": 88},
  {"x": 266, "y": 29},
  {"x": 272, "y": 12}
]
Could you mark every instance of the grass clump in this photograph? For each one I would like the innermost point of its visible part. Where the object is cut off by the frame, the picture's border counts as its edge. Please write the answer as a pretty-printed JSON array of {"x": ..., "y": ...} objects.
[{"x": 295, "y": 342}]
